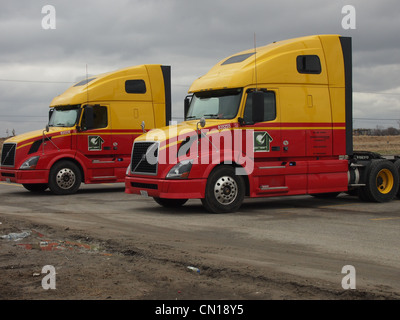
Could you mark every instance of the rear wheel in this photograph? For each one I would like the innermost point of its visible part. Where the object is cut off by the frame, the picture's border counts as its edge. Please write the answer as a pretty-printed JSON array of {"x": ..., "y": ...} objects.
[
  {"x": 65, "y": 178},
  {"x": 224, "y": 190},
  {"x": 382, "y": 182},
  {"x": 397, "y": 165},
  {"x": 170, "y": 203}
]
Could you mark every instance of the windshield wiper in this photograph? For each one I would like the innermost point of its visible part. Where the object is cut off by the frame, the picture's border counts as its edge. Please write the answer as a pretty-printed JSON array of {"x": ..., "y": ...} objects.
[
  {"x": 190, "y": 117},
  {"x": 58, "y": 125},
  {"x": 216, "y": 116}
]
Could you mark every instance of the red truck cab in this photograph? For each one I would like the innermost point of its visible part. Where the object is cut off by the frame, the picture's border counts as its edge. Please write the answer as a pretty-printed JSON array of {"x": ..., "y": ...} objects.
[{"x": 90, "y": 132}]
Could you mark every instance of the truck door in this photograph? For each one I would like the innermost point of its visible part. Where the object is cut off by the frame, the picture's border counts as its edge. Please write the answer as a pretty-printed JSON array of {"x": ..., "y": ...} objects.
[
  {"x": 94, "y": 144},
  {"x": 126, "y": 125},
  {"x": 267, "y": 131},
  {"x": 269, "y": 171}
]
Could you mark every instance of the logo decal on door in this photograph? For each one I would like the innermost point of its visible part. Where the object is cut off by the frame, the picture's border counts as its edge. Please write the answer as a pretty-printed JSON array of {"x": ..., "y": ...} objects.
[
  {"x": 95, "y": 143},
  {"x": 262, "y": 141}
]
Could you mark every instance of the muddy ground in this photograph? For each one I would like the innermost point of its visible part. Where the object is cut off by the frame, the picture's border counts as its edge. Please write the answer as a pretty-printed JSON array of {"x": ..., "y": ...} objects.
[
  {"x": 120, "y": 249},
  {"x": 90, "y": 267},
  {"x": 95, "y": 268}
]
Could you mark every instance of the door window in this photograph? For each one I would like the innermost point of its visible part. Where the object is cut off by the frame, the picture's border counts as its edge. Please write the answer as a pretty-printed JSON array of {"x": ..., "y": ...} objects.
[
  {"x": 269, "y": 107},
  {"x": 100, "y": 118}
]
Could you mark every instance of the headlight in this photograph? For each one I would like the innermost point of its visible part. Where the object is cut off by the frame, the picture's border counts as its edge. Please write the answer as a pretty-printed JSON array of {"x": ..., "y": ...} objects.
[
  {"x": 30, "y": 163},
  {"x": 181, "y": 170}
]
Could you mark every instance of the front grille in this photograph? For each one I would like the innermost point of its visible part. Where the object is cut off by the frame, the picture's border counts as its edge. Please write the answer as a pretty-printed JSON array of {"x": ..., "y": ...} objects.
[
  {"x": 8, "y": 154},
  {"x": 144, "y": 157}
]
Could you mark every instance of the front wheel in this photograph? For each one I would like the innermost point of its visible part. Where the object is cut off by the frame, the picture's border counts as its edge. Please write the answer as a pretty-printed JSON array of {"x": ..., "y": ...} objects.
[
  {"x": 35, "y": 187},
  {"x": 65, "y": 178},
  {"x": 224, "y": 190},
  {"x": 170, "y": 203}
]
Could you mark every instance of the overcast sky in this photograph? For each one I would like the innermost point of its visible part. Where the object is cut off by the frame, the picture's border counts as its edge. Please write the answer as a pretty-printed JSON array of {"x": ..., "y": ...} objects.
[{"x": 37, "y": 64}]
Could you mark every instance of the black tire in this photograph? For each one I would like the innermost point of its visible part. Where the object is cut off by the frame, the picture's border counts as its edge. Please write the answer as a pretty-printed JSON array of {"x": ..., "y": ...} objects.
[
  {"x": 36, "y": 187},
  {"x": 397, "y": 165},
  {"x": 170, "y": 203},
  {"x": 328, "y": 195},
  {"x": 225, "y": 190},
  {"x": 362, "y": 194},
  {"x": 352, "y": 192},
  {"x": 382, "y": 182},
  {"x": 64, "y": 178}
]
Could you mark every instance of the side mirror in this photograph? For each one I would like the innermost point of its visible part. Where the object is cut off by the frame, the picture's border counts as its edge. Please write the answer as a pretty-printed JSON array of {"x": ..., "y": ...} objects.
[
  {"x": 51, "y": 113},
  {"x": 186, "y": 105},
  {"x": 202, "y": 124},
  {"x": 143, "y": 125},
  {"x": 89, "y": 117},
  {"x": 258, "y": 106}
]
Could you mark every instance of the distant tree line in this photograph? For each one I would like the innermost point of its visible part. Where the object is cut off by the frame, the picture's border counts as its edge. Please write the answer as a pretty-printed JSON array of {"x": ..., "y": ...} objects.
[{"x": 378, "y": 131}]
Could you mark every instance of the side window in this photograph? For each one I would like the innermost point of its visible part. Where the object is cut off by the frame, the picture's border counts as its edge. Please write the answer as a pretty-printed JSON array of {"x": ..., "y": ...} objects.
[
  {"x": 100, "y": 118},
  {"x": 308, "y": 64},
  {"x": 135, "y": 86},
  {"x": 269, "y": 107}
]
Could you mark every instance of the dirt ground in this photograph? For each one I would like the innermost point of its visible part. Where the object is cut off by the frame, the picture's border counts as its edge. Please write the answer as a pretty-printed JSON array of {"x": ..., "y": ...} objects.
[
  {"x": 94, "y": 263},
  {"x": 91, "y": 266},
  {"x": 386, "y": 145}
]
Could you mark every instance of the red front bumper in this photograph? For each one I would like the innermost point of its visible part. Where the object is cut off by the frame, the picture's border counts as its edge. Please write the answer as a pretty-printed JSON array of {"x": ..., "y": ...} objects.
[
  {"x": 24, "y": 176},
  {"x": 163, "y": 188}
]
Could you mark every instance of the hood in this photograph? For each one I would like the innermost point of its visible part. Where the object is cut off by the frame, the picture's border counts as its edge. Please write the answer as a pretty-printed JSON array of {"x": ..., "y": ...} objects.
[
  {"x": 179, "y": 132},
  {"x": 38, "y": 134}
]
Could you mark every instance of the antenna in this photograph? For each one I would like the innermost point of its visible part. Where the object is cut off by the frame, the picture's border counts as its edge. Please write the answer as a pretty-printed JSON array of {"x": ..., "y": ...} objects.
[
  {"x": 87, "y": 90},
  {"x": 255, "y": 59}
]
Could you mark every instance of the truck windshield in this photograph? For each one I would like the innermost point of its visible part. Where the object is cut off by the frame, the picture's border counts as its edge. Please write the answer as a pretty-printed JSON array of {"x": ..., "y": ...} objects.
[
  {"x": 218, "y": 104},
  {"x": 64, "y": 116}
]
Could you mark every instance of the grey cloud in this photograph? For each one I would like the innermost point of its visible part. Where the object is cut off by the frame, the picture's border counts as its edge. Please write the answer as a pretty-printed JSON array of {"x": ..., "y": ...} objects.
[{"x": 189, "y": 35}]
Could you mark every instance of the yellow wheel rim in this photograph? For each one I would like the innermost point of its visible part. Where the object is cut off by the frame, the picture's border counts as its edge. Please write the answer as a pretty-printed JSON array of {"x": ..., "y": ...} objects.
[{"x": 384, "y": 181}]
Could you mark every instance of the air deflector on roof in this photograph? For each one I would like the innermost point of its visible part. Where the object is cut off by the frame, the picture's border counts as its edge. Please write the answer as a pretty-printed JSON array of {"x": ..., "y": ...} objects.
[
  {"x": 237, "y": 58},
  {"x": 83, "y": 82}
]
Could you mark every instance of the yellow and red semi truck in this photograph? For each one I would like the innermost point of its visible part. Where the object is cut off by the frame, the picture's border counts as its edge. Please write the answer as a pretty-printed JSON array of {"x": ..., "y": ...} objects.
[
  {"x": 91, "y": 129},
  {"x": 269, "y": 121}
]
